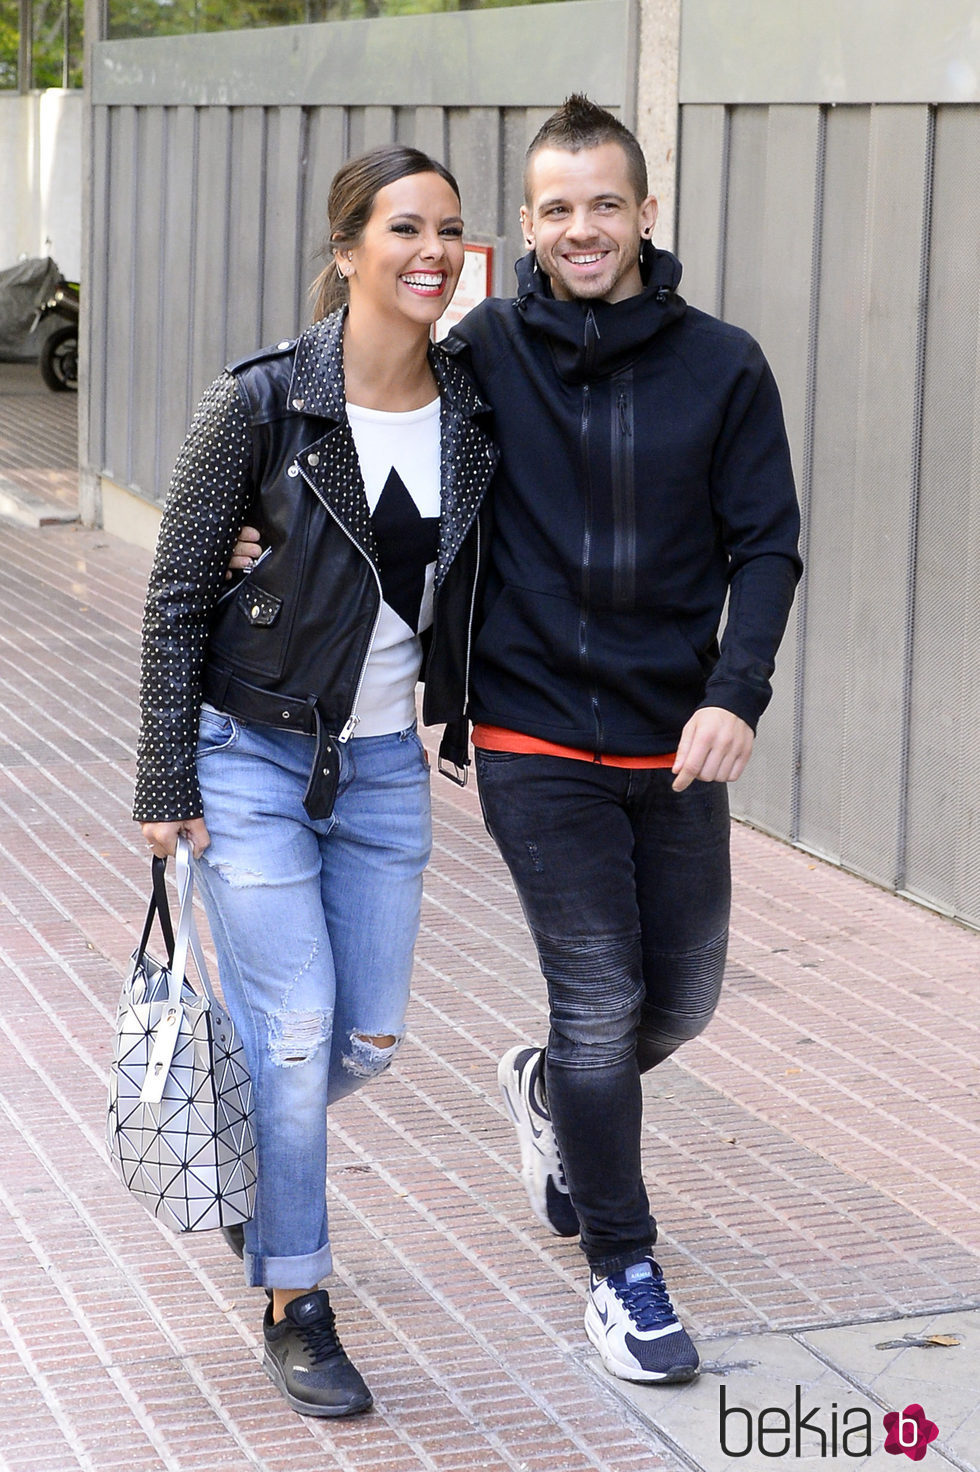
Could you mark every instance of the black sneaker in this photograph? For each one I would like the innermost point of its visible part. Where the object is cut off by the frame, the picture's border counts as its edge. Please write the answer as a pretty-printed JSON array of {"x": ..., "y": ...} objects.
[
  {"x": 306, "y": 1359},
  {"x": 519, "y": 1076}
]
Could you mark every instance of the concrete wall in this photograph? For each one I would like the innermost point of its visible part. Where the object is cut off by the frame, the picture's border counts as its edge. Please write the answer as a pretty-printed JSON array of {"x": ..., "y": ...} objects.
[{"x": 41, "y": 177}]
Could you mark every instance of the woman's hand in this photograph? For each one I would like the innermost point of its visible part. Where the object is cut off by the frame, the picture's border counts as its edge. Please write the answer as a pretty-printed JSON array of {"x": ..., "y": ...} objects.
[
  {"x": 246, "y": 551},
  {"x": 162, "y": 837}
]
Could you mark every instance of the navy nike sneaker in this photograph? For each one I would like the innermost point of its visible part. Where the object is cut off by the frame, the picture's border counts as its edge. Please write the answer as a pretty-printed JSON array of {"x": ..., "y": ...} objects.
[{"x": 631, "y": 1321}]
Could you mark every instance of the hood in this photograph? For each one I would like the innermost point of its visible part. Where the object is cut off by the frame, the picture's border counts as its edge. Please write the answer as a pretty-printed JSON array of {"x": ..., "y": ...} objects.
[{"x": 596, "y": 339}]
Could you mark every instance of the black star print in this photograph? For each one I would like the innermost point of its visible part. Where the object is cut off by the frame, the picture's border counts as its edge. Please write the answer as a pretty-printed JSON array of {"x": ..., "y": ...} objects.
[{"x": 407, "y": 543}]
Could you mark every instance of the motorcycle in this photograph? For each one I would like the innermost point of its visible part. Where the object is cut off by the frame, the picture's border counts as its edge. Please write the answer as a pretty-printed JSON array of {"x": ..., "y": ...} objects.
[{"x": 58, "y": 357}]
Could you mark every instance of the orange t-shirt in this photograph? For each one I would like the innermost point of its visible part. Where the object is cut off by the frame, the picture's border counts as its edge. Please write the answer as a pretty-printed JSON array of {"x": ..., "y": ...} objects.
[{"x": 498, "y": 738}]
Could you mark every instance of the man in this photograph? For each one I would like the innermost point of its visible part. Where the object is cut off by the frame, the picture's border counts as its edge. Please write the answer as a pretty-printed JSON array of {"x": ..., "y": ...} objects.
[{"x": 644, "y": 477}]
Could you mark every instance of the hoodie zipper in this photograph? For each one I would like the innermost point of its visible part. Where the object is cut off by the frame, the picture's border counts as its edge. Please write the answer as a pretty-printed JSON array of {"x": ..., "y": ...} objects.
[
  {"x": 623, "y": 494},
  {"x": 586, "y": 583}
]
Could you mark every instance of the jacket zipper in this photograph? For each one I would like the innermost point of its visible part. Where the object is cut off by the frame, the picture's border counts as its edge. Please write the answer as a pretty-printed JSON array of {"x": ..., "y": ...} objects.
[
  {"x": 583, "y": 622},
  {"x": 469, "y": 631},
  {"x": 624, "y": 496},
  {"x": 347, "y": 729}
]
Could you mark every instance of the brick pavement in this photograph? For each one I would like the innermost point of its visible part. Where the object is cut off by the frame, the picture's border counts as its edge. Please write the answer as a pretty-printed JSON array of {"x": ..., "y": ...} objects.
[{"x": 813, "y": 1160}]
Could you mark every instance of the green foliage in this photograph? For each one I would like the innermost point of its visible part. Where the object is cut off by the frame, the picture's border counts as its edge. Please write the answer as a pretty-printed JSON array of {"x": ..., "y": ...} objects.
[
  {"x": 9, "y": 31},
  {"x": 49, "y": 19},
  {"x": 172, "y": 17}
]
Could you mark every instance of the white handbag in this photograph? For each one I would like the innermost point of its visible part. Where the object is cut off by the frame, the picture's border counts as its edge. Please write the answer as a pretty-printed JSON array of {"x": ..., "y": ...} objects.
[{"x": 179, "y": 1129}]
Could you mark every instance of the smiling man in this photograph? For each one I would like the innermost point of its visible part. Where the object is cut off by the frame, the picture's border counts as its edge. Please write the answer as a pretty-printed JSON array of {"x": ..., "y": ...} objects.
[{"x": 644, "y": 477}]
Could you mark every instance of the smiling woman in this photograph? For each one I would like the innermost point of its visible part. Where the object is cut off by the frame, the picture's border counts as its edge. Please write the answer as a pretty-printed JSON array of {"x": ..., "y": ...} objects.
[{"x": 300, "y": 780}]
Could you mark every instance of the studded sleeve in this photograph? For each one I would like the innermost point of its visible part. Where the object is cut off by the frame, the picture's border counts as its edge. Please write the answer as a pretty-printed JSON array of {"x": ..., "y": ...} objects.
[{"x": 210, "y": 492}]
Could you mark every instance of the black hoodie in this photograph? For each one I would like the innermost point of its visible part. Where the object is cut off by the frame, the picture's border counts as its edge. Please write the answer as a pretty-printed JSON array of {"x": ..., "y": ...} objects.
[{"x": 644, "y": 475}]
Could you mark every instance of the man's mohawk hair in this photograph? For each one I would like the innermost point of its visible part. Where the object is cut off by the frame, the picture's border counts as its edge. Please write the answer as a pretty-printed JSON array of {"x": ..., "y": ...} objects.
[{"x": 581, "y": 123}]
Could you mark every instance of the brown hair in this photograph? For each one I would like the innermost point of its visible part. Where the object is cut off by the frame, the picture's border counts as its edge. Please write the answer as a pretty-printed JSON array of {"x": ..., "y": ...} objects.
[
  {"x": 355, "y": 187},
  {"x": 580, "y": 123}
]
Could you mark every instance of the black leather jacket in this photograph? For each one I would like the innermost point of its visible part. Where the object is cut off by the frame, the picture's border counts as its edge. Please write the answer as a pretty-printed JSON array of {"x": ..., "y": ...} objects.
[{"x": 286, "y": 646}]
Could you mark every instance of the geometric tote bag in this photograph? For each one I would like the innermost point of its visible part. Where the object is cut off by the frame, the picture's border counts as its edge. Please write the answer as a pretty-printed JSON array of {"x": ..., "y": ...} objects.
[{"x": 179, "y": 1129}]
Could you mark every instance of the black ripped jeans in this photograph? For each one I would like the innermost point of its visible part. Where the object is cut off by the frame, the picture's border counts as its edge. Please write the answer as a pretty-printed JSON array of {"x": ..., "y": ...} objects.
[{"x": 626, "y": 888}]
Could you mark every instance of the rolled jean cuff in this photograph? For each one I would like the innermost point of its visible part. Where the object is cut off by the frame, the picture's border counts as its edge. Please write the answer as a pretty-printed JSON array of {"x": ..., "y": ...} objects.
[
  {"x": 604, "y": 1263},
  {"x": 288, "y": 1272}
]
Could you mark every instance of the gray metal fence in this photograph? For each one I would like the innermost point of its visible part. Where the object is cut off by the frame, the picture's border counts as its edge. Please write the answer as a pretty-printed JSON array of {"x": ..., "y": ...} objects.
[
  {"x": 846, "y": 237},
  {"x": 212, "y": 159},
  {"x": 829, "y": 201}
]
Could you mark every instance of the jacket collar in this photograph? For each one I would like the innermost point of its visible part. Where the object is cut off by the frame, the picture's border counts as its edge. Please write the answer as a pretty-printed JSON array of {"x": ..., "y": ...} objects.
[
  {"x": 467, "y": 454},
  {"x": 317, "y": 382},
  {"x": 595, "y": 339}
]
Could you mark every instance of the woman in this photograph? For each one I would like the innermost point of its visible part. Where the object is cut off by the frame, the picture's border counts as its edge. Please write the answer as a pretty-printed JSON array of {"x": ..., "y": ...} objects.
[{"x": 278, "y": 728}]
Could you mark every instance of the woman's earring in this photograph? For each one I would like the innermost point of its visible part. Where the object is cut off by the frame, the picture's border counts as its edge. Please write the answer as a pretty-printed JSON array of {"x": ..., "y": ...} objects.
[{"x": 340, "y": 274}]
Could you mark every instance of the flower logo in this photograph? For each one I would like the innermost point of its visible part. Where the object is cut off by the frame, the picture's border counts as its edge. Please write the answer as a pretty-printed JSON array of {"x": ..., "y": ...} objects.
[{"x": 909, "y": 1431}]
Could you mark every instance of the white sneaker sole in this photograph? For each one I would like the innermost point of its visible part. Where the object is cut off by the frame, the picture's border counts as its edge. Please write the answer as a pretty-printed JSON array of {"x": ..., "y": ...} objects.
[{"x": 595, "y": 1329}]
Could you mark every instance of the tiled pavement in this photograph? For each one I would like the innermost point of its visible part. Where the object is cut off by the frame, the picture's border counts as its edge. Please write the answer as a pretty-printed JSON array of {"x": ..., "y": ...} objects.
[{"x": 813, "y": 1159}]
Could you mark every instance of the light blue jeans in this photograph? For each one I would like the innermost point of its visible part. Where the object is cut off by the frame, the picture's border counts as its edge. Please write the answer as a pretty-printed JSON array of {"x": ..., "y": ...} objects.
[{"x": 314, "y": 925}]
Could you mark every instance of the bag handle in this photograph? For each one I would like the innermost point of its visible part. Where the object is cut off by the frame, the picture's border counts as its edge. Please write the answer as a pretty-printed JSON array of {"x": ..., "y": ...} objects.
[
  {"x": 158, "y": 905},
  {"x": 185, "y": 938}
]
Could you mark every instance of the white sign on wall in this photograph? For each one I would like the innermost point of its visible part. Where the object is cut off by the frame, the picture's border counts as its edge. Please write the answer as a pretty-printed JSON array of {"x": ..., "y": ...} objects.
[{"x": 475, "y": 282}]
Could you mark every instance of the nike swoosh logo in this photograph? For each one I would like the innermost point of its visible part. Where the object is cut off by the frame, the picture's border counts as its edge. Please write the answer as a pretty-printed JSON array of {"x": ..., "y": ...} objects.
[{"x": 603, "y": 1314}]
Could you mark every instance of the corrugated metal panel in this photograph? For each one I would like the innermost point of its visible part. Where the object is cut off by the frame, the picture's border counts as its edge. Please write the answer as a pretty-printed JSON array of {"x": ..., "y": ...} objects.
[
  {"x": 147, "y": 222},
  {"x": 877, "y": 358},
  {"x": 324, "y": 150},
  {"x": 215, "y": 212},
  {"x": 248, "y": 183},
  {"x": 884, "y": 490},
  {"x": 216, "y": 291},
  {"x": 283, "y": 220},
  {"x": 120, "y": 301},
  {"x": 474, "y": 155},
  {"x": 777, "y": 280},
  {"x": 943, "y": 827},
  {"x": 824, "y": 683},
  {"x": 93, "y": 405},
  {"x": 703, "y": 194},
  {"x": 175, "y": 287}
]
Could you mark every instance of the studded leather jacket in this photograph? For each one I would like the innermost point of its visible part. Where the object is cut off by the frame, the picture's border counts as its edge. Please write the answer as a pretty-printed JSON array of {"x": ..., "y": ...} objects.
[{"x": 286, "y": 645}]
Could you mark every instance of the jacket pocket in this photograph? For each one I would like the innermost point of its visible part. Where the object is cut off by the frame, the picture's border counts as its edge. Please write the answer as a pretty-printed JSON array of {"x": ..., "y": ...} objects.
[
  {"x": 250, "y": 630},
  {"x": 259, "y": 608}
]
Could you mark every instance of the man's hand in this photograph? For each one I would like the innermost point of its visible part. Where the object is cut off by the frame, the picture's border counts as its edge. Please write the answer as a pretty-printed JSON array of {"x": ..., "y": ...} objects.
[
  {"x": 162, "y": 837},
  {"x": 715, "y": 746},
  {"x": 246, "y": 551}
]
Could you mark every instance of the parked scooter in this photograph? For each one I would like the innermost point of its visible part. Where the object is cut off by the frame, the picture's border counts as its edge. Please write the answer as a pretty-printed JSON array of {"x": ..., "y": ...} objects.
[{"x": 58, "y": 358}]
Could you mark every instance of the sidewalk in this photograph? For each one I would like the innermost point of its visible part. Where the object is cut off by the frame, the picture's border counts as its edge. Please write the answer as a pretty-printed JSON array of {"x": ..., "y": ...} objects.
[{"x": 813, "y": 1160}]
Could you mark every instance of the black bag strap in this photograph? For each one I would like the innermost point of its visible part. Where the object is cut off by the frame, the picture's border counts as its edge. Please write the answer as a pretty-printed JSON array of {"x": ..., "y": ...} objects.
[{"x": 159, "y": 905}]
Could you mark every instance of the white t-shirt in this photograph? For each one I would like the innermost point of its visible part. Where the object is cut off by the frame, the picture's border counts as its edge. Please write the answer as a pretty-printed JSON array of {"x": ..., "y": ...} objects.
[{"x": 399, "y": 454}]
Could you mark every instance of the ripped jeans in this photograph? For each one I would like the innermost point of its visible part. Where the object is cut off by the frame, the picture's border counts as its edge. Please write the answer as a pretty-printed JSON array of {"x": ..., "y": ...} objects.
[
  {"x": 625, "y": 885},
  {"x": 314, "y": 924}
]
